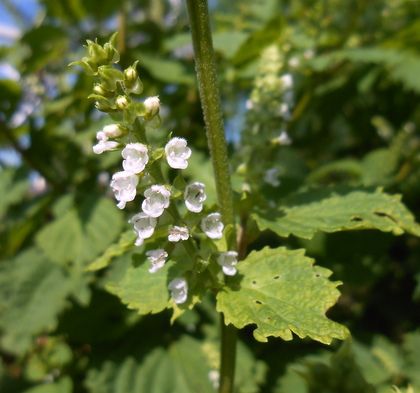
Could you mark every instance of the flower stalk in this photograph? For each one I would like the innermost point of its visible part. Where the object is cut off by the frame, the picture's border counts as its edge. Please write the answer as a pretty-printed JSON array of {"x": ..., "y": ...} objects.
[{"x": 210, "y": 102}]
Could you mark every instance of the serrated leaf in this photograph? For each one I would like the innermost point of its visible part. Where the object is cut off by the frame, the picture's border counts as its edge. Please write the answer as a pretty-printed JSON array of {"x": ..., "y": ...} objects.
[
  {"x": 143, "y": 291},
  {"x": 332, "y": 210},
  {"x": 79, "y": 235},
  {"x": 181, "y": 368},
  {"x": 281, "y": 292},
  {"x": 125, "y": 242},
  {"x": 33, "y": 292}
]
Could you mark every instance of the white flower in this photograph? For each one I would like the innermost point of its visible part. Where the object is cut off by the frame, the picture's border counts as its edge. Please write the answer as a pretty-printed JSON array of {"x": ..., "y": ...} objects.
[
  {"x": 178, "y": 233},
  {"x": 179, "y": 290},
  {"x": 157, "y": 259},
  {"x": 195, "y": 196},
  {"x": 177, "y": 153},
  {"x": 214, "y": 376},
  {"x": 112, "y": 131},
  {"x": 271, "y": 177},
  {"x": 228, "y": 260},
  {"x": 135, "y": 157},
  {"x": 124, "y": 185},
  {"x": 157, "y": 200},
  {"x": 212, "y": 226},
  {"x": 103, "y": 143},
  {"x": 287, "y": 81},
  {"x": 283, "y": 139},
  {"x": 144, "y": 226},
  {"x": 152, "y": 105}
]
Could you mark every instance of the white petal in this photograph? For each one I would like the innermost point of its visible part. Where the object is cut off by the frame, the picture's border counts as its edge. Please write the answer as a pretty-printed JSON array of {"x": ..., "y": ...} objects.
[
  {"x": 195, "y": 196},
  {"x": 177, "y": 153},
  {"x": 179, "y": 290},
  {"x": 135, "y": 157},
  {"x": 212, "y": 226}
]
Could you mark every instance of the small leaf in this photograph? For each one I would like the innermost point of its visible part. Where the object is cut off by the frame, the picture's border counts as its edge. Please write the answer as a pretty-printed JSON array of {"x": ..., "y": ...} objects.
[
  {"x": 282, "y": 292},
  {"x": 331, "y": 210}
]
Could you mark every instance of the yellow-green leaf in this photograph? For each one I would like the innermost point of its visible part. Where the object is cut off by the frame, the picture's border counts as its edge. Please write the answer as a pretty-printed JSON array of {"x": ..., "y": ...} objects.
[{"x": 280, "y": 291}]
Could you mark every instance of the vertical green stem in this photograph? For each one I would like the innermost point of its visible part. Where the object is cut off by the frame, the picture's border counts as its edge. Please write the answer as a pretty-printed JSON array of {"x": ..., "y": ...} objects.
[{"x": 210, "y": 102}]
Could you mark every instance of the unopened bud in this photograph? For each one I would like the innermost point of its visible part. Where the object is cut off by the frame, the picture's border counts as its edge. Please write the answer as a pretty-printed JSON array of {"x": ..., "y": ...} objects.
[
  {"x": 130, "y": 75},
  {"x": 152, "y": 105},
  {"x": 113, "y": 130},
  {"x": 109, "y": 76},
  {"x": 104, "y": 106},
  {"x": 96, "y": 52},
  {"x": 100, "y": 90},
  {"x": 121, "y": 102}
]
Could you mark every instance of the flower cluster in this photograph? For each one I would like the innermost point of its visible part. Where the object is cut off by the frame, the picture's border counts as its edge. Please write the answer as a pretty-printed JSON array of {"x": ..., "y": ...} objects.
[
  {"x": 142, "y": 171},
  {"x": 269, "y": 112}
]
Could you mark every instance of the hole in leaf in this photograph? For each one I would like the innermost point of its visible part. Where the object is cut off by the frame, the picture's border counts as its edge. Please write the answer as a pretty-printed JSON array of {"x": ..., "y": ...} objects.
[
  {"x": 258, "y": 302},
  {"x": 317, "y": 275},
  {"x": 356, "y": 219},
  {"x": 254, "y": 282},
  {"x": 382, "y": 214},
  {"x": 276, "y": 277}
]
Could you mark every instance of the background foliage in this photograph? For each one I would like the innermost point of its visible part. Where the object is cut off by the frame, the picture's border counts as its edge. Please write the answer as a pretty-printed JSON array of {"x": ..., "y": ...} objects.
[{"x": 354, "y": 125}]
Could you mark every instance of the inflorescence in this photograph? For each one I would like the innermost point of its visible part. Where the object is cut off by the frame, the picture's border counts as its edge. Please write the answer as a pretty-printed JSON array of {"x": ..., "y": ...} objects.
[{"x": 142, "y": 165}]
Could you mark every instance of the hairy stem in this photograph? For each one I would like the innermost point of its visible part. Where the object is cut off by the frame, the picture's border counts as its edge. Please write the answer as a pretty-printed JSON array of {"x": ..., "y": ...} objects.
[{"x": 210, "y": 102}]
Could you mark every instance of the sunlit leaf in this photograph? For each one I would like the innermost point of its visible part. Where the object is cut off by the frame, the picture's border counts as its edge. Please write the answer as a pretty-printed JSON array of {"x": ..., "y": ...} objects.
[{"x": 281, "y": 292}]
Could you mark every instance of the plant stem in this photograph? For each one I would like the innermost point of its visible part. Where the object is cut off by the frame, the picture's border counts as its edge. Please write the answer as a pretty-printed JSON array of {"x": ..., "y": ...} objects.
[{"x": 210, "y": 102}]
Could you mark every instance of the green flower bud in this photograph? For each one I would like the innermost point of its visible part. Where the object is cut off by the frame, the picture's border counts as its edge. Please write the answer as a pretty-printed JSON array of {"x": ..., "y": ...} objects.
[
  {"x": 132, "y": 81},
  {"x": 104, "y": 106},
  {"x": 100, "y": 90},
  {"x": 110, "y": 76},
  {"x": 96, "y": 52},
  {"x": 122, "y": 102},
  {"x": 112, "y": 55}
]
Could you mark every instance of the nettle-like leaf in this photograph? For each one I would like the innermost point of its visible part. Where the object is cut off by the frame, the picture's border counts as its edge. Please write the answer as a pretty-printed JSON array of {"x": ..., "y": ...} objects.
[
  {"x": 180, "y": 368},
  {"x": 33, "y": 292},
  {"x": 79, "y": 235},
  {"x": 332, "y": 210},
  {"x": 125, "y": 242},
  {"x": 280, "y": 291},
  {"x": 148, "y": 292}
]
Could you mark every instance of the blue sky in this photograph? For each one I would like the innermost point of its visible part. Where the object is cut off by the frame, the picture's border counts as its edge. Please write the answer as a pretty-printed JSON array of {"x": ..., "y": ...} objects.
[{"x": 8, "y": 25}]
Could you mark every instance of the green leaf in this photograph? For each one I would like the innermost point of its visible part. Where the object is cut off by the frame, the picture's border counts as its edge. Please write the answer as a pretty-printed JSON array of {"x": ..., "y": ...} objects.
[
  {"x": 411, "y": 348},
  {"x": 181, "y": 368},
  {"x": 170, "y": 71},
  {"x": 64, "y": 385},
  {"x": 331, "y": 210},
  {"x": 125, "y": 242},
  {"x": 13, "y": 187},
  {"x": 281, "y": 292},
  {"x": 33, "y": 292},
  {"x": 82, "y": 233}
]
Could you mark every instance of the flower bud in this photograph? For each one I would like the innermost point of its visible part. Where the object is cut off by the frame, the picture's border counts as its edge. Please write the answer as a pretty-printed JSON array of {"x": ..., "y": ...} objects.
[
  {"x": 112, "y": 55},
  {"x": 122, "y": 102},
  {"x": 113, "y": 131},
  {"x": 152, "y": 105},
  {"x": 130, "y": 76},
  {"x": 109, "y": 77},
  {"x": 100, "y": 90},
  {"x": 96, "y": 52}
]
